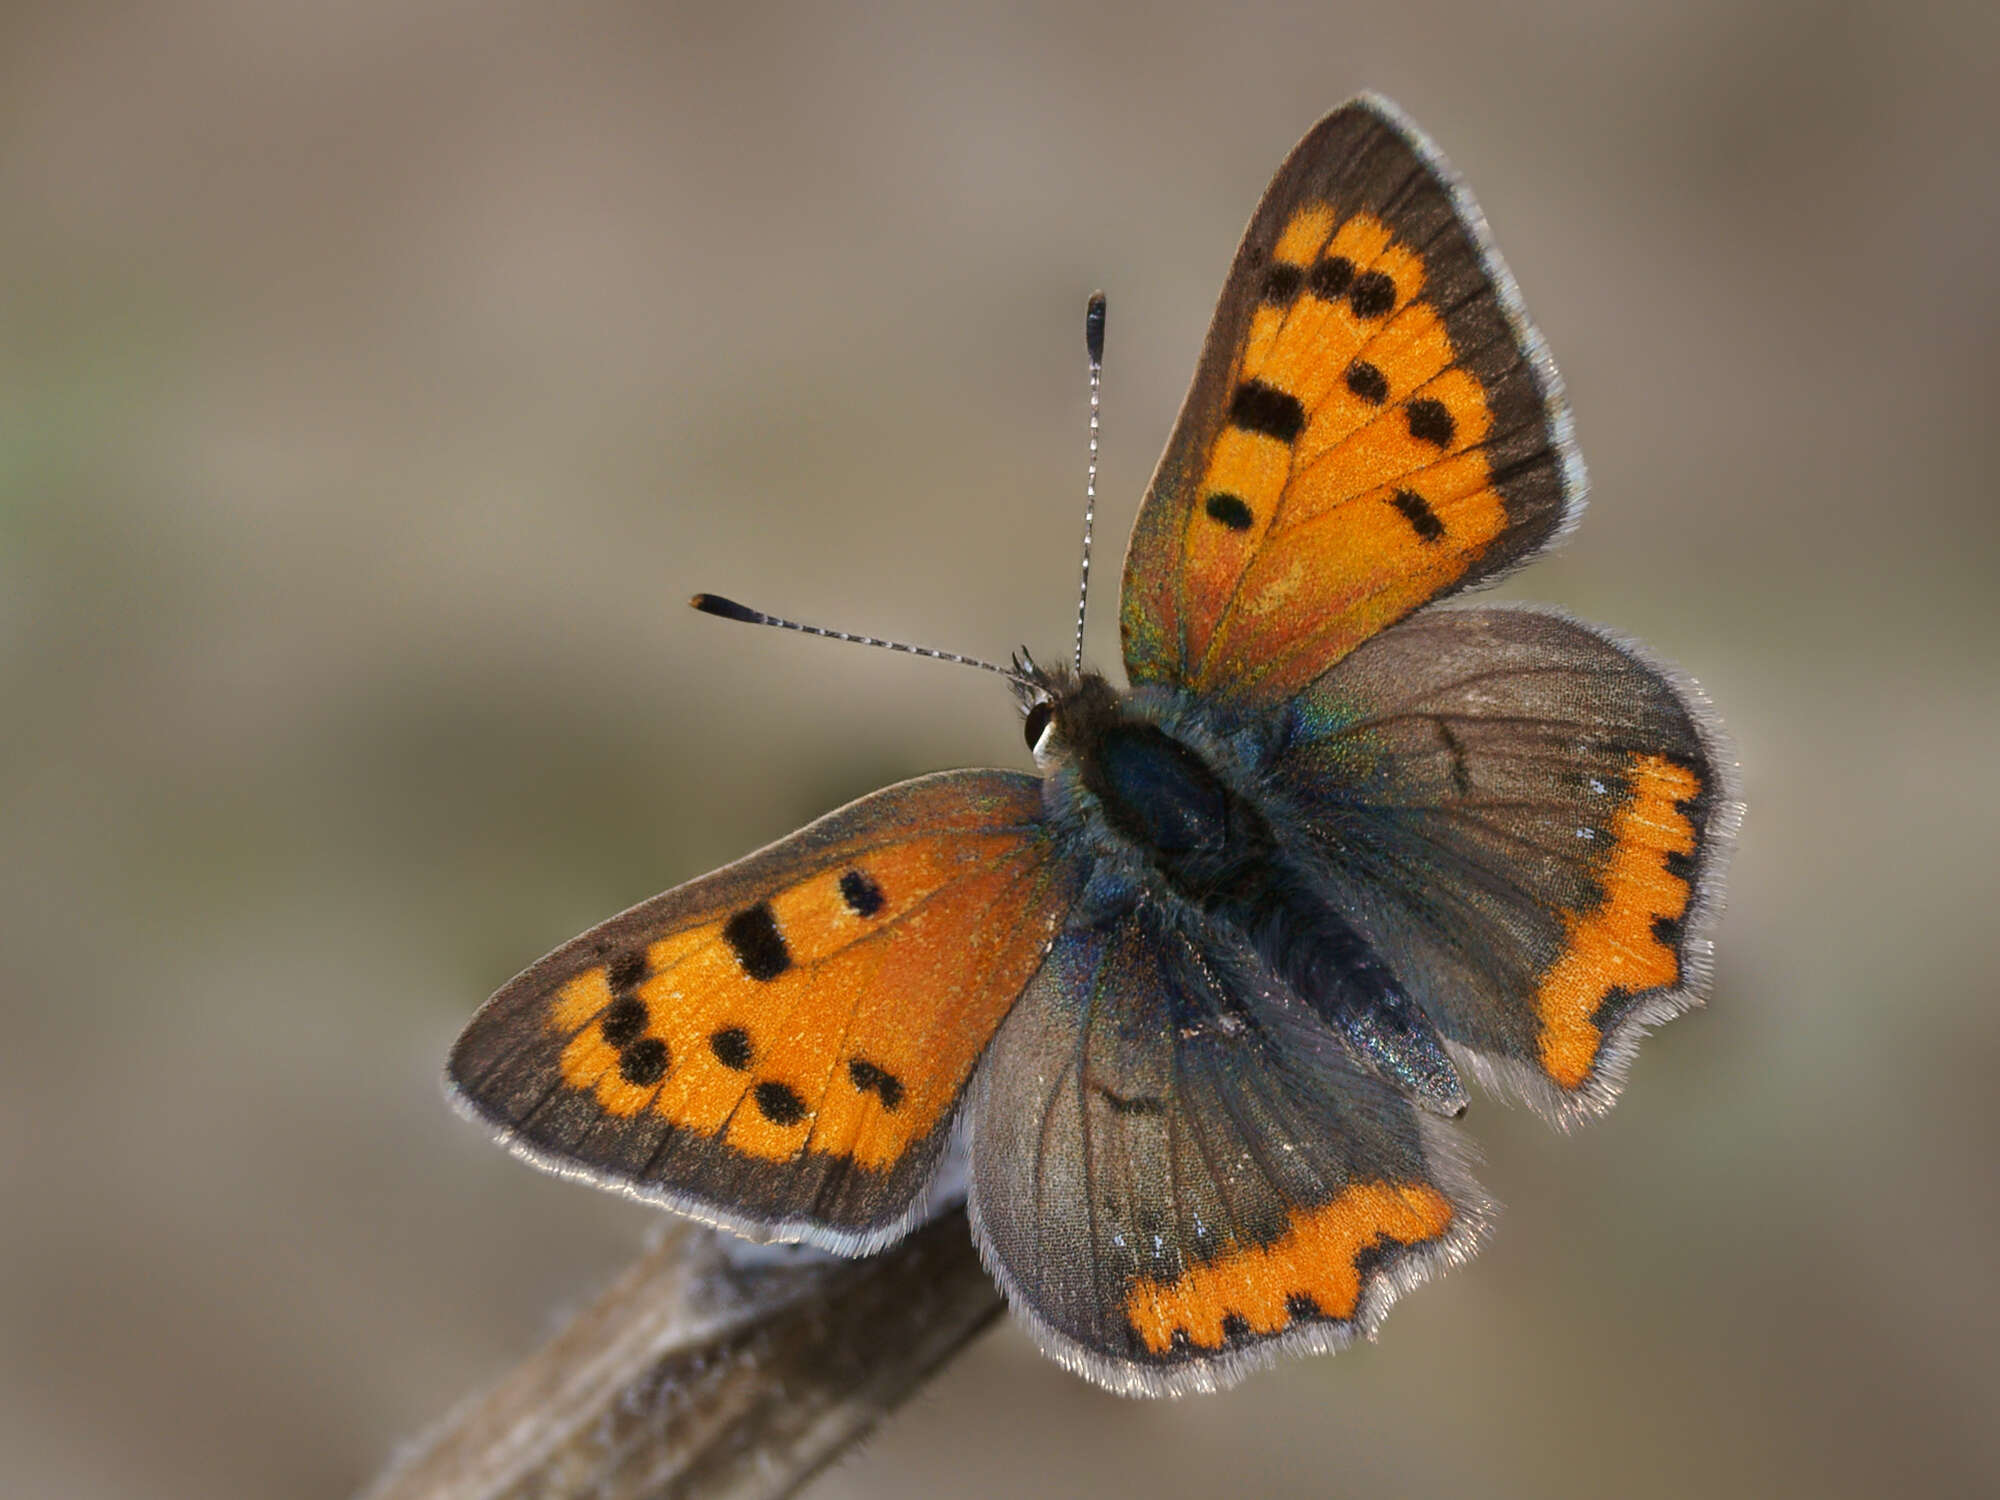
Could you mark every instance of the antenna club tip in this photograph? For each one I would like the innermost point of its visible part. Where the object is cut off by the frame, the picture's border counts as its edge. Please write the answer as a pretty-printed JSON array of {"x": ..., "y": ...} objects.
[
  {"x": 728, "y": 609},
  {"x": 1093, "y": 327}
]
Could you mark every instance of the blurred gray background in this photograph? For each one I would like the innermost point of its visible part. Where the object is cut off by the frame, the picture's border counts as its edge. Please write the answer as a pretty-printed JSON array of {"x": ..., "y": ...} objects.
[{"x": 376, "y": 382}]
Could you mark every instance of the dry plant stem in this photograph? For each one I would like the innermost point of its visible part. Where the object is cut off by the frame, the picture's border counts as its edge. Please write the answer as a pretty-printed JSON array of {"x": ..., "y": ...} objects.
[{"x": 711, "y": 1368}]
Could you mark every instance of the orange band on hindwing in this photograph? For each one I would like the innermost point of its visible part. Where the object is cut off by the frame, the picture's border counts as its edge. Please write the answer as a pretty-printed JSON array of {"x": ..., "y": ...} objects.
[
  {"x": 1313, "y": 1270},
  {"x": 1627, "y": 944}
]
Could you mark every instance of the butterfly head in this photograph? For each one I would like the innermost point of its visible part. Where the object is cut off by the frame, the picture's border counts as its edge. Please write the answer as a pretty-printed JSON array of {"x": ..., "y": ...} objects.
[{"x": 1062, "y": 708}]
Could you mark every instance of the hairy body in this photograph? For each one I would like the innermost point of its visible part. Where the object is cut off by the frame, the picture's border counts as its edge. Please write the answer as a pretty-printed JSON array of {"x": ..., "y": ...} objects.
[{"x": 1179, "y": 817}]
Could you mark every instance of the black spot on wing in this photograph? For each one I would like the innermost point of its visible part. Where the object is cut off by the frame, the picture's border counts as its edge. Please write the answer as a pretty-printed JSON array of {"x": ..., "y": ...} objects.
[
  {"x": 779, "y": 1103},
  {"x": 1461, "y": 772},
  {"x": 1281, "y": 283},
  {"x": 1266, "y": 410},
  {"x": 731, "y": 1046},
  {"x": 1417, "y": 511},
  {"x": 863, "y": 896},
  {"x": 1373, "y": 1257},
  {"x": 1680, "y": 866},
  {"x": 623, "y": 1021},
  {"x": 1331, "y": 277},
  {"x": 1229, "y": 510},
  {"x": 759, "y": 947},
  {"x": 1431, "y": 423},
  {"x": 1372, "y": 294},
  {"x": 644, "y": 1063},
  {"x": 1136, "y": 1104},
  {"x": 1614, "y": 1004},
  {"x": 872, "y": 1078},
  {"x": 1367, "y": 382},
  {"x": 1300, "y": 1306},
  {"x": 626, "y": 972}
]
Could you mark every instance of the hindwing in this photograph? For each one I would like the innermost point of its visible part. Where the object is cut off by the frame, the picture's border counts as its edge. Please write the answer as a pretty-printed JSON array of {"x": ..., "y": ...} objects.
[
  {"x": 1178, "y": 1171},
  {"x": 1531, "y": 821}
]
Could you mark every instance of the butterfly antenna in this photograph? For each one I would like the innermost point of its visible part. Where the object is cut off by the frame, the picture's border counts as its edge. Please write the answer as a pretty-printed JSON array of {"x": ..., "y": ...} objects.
[
  {"x": 1093, "y": 343},
  {"x": 729, "y": 609}
]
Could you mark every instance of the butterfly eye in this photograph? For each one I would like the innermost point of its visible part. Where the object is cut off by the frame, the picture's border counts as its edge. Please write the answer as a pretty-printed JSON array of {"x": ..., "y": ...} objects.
[{"x": 1037, "y": 722}]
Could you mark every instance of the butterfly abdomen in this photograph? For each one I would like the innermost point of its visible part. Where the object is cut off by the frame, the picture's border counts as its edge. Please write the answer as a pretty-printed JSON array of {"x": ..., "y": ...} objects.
[{"x": 1326, "y": 961}]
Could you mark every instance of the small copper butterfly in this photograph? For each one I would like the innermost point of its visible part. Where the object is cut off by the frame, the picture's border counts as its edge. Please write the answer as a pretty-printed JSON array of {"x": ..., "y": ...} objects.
[{"x": 1202, "y": 996}]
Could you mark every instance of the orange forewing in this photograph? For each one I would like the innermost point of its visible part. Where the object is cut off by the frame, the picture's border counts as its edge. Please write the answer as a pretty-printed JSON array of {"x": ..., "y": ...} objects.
[
  {"x": 810, "y": 1013},
  {"x": 1372, "y": 426}
]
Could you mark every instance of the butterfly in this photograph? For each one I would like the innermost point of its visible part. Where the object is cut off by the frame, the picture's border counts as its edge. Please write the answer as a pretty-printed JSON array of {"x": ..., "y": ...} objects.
[{"x": 1200, "y": 999}]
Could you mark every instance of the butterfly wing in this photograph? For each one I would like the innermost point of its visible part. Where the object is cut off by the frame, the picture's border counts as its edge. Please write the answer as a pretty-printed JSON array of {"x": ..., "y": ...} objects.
[
  {"x": 1177, "y": 1172},
  {"x": 1373, "y": 425},
  {"x": 779, "y": 1047},
  {"x": 1533, "y": 819}
]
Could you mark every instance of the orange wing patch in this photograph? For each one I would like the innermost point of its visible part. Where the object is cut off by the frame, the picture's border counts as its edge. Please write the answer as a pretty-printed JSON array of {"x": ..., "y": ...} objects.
[
  {"x": 1626, "y": 944},
  {"x": 1312, "y": 1271},
  {"x": 841, "y": 1015},
  {"x": 781, "y": 1045},
  {"x": 1373, "y": 425},
  {"x": 1346, "y": 485}
]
